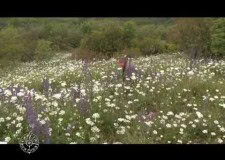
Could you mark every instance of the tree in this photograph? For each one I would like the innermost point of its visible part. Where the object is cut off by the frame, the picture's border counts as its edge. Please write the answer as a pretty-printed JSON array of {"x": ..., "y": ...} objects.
[
  {"x": 218, "y": 37},
  {"x": 193, "y": 36},
  {"x": 11, "y": 44},
  {"x": 107, "y": 41},
  {"x": 129, "y": 30},
  {"x": 43, "y": 50}
]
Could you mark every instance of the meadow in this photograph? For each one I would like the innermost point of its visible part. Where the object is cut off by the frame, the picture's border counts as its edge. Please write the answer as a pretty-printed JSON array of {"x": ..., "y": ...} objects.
[{"x": 66, "y": 101}]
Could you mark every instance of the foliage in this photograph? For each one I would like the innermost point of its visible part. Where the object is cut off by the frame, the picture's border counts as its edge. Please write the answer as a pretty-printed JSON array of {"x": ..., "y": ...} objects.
[
  {"x": 74, "y": 38},
  {"x": 149, "y": 46},
  {"x": 30, "y": 41},
  {"x": 43, "y": 51},
  {"x": 166, "y": 103},
  {"x": 108, "y": 37},
  {"x": 82, "y": 54},
  {"x": 129, "y": 31},
  {"x": 193, "y": 34},
  {"x": 107, "y": 41},
  {"x": 62, "y": 36},
  {"x": 130, "y": 52},
  {"x": 87, "y": 27},
  {"x": 58, "y": 35},
  {"x": 218, "y": 37},
  {"x": 11, "y": 44}
]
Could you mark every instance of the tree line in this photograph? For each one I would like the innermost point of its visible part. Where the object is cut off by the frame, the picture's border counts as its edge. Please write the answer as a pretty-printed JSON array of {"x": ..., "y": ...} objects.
[{"x": 29, "y": 39}]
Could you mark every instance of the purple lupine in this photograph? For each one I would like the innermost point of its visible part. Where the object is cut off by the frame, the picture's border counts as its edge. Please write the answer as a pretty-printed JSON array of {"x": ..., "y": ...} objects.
[
  {"x": 129, "y": 69},
  {"x": 13, "y": 90},
  {"x": 139, "y": 75},
  {"x": 62, "y": 98},
  {"x": 84, "y": 105},
  {"x": 31, "y": 116},
  {"x": 46, "y": 132},
  {"x": 1, "y": 92},
  {"x": 86, "y": 70},
  {"x": 18, "y": 89},
  {"x": 87, "y": 78},
  {"x": 148, "y": 117},
  {"x": 73, "y": 100},
  {"x": 42, "y": 108},
  {"x": 206, "y": 101},
  {"x": 74, "y": 94},
  {"x": 45, "y": 85},
  {"x": 85, "y": 67},
  {"x": 70, "y": 127}
]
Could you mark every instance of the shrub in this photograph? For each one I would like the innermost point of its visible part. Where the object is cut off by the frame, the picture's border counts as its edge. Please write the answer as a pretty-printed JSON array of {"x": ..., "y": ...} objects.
[
  {"x": 11, "y": 44},
  {"x": 45, "y": 32},
  {"x": 43, "y": 51},
  {"x": 63, "y": 36},
  {"x": 130, "y": 52},
  {"x": 81, "y": 54},
  {"x": 87, "y": 27},
  {"x": 108, "y": 41},
  {"x": 30, "y": 38},
  {"x": 129, "y": 34},
  {"x": 29, "y": 51},
  {"x": 58, "y": 35},
  {"x": 170, "y": 48},
  {"x": 148, "y": 31},
  {"x": 23, "y": 22},
  {"x": 74, "y": 38},
  {"x": 193, "y": 36},
  {"x": 218, "y": 38},
  {"x": 150, "y": 46}
]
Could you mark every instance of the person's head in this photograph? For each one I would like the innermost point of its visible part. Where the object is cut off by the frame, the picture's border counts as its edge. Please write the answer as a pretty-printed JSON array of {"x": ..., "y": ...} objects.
[{"x": 122, "y": 62}]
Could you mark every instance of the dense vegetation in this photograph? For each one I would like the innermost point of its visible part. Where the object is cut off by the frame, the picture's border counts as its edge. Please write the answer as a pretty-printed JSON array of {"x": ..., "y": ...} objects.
[
  {"x": 62, "y": 80},
  {"x": 21, "y": 39},
  {"x": 68, "y": 101}
]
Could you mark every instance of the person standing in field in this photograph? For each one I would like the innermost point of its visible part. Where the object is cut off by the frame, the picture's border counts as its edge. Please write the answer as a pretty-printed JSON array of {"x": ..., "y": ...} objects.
[{"x": 127, "y": 67}]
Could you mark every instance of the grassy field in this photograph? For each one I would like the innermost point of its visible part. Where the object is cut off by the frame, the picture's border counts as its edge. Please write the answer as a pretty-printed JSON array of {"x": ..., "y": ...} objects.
[{"x": 65, "y": 101}]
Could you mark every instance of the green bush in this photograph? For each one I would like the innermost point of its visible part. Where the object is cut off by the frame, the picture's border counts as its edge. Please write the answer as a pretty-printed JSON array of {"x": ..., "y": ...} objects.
[
  {"x": 43, "y": 51},
  {"x": 152, "y": 39},
  {"x": 81, "y": 54},
  {"x": 218, "y": 37},
  {"x": 74, "y": 38},
  {"x": 148, "y": 31},
  {"x": 193, "y": 36},
  {"x": 11, "y": 44},
  {"x": 170, "y": 48},
  {"x": 150, "y": 46},
  {"x": 110, "y": 39},
  {"x": 130, "y": 52},
  {"x": 26, "y": 23},
  {"x": 129, "y": 34},
  {"x": 45, "y": 31},
  {"x": 63, "y": 36},
  {"x": 58, "y": 36},
  {"x": 87, "y": 27},
  {"x": 30, "y": 38}
]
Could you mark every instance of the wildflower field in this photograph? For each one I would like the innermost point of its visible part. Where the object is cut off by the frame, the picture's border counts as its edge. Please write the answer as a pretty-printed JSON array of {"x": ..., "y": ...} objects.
[{"x": 162, "y": 101}]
